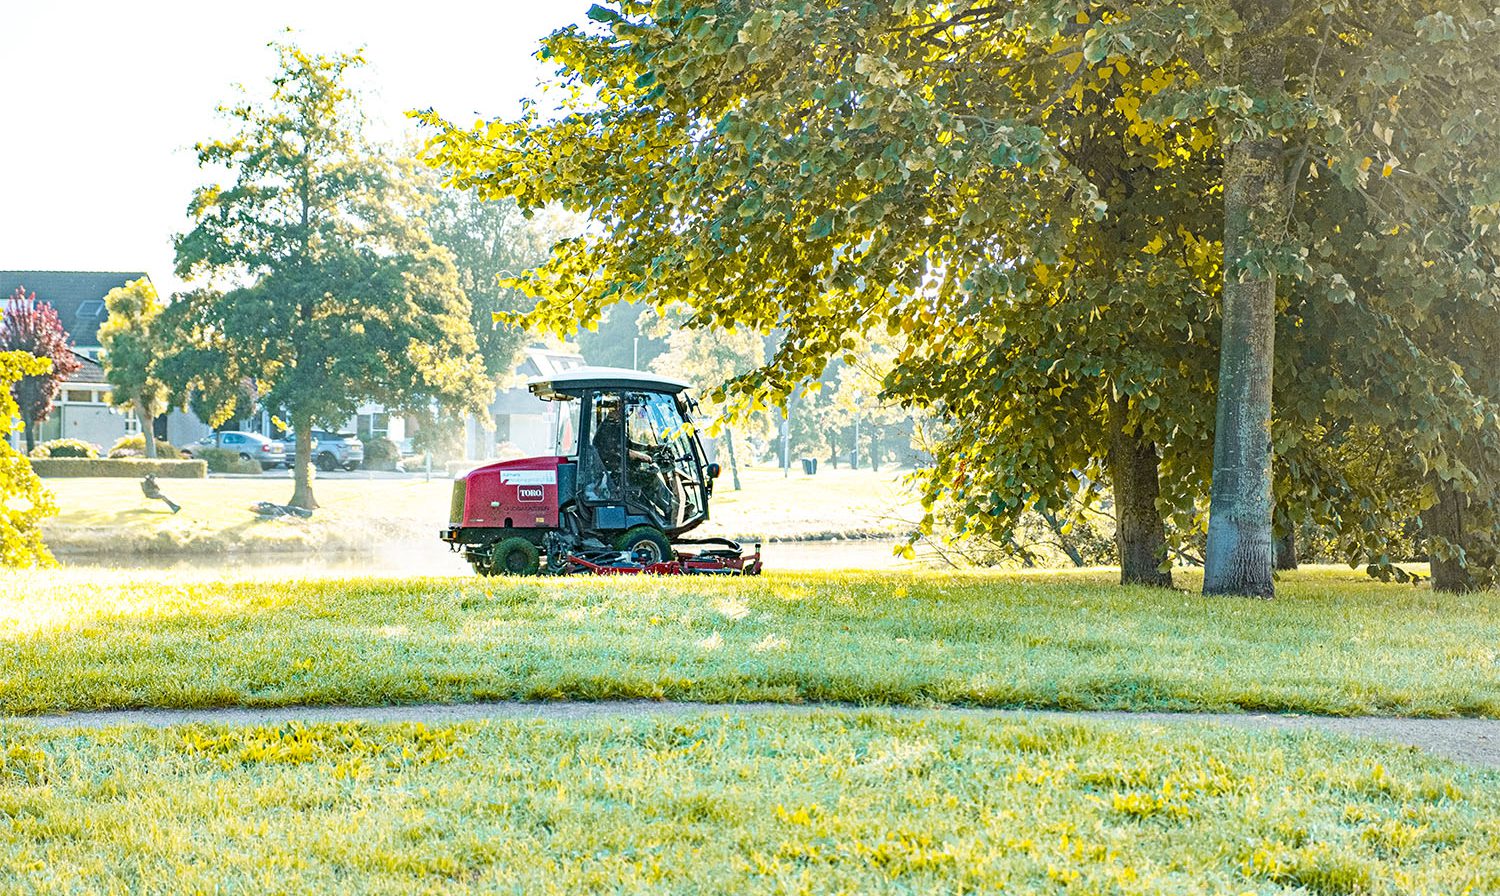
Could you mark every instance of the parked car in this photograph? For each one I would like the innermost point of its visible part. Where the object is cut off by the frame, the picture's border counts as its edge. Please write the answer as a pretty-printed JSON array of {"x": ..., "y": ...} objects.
[
  {"x": 248, "y": 445},
  {"x": 330, "y": 450}
]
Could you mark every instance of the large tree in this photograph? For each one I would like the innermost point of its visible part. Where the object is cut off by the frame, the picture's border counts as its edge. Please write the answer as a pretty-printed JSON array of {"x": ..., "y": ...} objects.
[
  {"x": 27, "y": 325},
  {"x": 133, "y": 342},
  {"x": 811, "y": 167},
  {"x": 333, "y": 292}
]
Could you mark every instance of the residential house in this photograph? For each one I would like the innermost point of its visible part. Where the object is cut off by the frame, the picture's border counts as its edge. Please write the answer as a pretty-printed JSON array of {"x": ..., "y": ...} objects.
[
  {"x": 82, "y": 409},
  {"x": 522, "y": 422}
]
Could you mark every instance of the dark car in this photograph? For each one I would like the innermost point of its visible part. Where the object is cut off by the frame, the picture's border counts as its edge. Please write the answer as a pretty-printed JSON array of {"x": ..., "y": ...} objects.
[
  {"x": 330, "y": 450},
  {"x": 248, "y": 445}
]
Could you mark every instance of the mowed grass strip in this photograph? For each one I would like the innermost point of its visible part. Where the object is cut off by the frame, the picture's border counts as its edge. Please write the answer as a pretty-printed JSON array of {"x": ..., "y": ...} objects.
[
  {"x": 855, "y": 803},
  {"x": 1328, "y": 644}
]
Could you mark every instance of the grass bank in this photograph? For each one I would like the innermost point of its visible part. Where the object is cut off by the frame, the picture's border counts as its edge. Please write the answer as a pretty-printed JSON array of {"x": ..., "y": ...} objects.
[
  {"x": 110, "y": 517},
  {"x": 857, "y": 803},
  {"x": 1331, "y": 643}
]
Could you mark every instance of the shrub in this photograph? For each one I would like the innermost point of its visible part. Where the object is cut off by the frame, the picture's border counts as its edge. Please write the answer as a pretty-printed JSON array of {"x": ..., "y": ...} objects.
[
  {"x": 223, "y": 460},
  {"x": 135, "y": 446},
  {"x": 381, "y": 454},
  {"x": 23, "y": 501},
  {"x": 66, "y": 448}
]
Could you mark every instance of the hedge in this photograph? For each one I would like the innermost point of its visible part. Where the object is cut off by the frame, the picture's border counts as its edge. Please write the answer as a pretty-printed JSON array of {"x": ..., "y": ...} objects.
[{"x": 117, "y": 467}]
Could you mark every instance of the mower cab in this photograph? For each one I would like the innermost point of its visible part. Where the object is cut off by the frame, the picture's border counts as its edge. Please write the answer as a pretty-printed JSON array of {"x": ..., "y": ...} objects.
[{"x": 627, "y": 480}]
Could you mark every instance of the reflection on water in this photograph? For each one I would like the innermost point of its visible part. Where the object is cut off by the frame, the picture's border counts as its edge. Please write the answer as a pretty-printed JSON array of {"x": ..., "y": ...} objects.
[{"x": 410, "y": 559}]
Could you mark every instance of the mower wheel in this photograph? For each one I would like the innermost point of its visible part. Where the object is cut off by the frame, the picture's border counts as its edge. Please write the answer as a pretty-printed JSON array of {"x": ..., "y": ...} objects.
[
  {"x": 648, "y": 541},
  {"x": 514, "y": 557}
]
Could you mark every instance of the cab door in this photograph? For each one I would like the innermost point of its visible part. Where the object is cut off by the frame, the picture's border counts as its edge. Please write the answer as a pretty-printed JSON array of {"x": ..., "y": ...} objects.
[{"x": 682, "y": 464}]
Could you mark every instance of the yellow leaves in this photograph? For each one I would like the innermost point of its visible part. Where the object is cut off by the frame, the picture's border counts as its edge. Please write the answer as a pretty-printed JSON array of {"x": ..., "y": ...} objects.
[
  {"x": 1156, "y": 81},
  {"x": 1072, "y": 61},
  {"x": 1365, "y": 163},
  {"x": 1156, "y": 245}
]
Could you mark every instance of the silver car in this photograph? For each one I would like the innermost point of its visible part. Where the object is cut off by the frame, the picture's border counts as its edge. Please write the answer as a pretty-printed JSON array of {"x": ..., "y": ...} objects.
[
  {"x": 268, "y": 453},
  {"x": 330, "y": 450}
]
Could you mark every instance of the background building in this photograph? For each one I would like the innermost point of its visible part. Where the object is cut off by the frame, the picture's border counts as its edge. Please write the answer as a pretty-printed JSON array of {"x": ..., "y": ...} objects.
[{"x": 522, "y": 422}]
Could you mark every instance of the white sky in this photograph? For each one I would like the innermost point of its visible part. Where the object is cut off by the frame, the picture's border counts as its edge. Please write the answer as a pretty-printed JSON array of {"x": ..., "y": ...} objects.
[{"x": 102, "y": 102}]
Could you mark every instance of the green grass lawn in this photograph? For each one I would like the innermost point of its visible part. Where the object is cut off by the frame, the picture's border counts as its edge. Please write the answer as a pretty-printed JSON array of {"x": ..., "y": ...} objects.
[
  {"x": 111, "y": 517},
  {"x": 1332, "y": 642},
  {"x": 853, "y": 803}
]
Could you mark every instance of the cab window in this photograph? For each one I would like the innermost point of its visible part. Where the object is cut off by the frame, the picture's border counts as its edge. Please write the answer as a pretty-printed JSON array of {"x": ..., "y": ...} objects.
[{"x": 641, "y": 425}]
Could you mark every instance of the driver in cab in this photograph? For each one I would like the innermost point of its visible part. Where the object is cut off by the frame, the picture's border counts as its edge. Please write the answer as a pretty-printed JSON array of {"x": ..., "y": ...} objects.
[{"x": 644, "y": 473}]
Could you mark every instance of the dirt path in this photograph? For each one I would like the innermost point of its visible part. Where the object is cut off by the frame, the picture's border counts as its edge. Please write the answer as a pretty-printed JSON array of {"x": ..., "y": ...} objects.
[{"x": 1474, "y": 741}]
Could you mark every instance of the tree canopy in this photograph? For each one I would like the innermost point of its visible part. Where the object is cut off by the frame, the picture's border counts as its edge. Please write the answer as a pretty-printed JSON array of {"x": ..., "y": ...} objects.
[
  {"x": 133, "y": 343},
  {"x": 326, "y": 289}
]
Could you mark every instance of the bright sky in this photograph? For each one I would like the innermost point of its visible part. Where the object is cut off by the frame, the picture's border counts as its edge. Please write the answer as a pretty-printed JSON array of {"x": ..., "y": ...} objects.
[{"x": 103, "y": 101}]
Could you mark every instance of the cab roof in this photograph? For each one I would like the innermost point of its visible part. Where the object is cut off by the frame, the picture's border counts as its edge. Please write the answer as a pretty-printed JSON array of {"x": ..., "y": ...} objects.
[{"x": 579, "y": 379}]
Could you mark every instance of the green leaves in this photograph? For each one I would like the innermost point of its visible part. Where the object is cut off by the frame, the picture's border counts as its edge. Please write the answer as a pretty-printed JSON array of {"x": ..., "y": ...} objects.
[{"x": 603, "y": 14}]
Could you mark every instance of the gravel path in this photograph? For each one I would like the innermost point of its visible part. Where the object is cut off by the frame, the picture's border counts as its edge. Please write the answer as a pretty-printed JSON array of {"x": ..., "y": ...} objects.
[{"x": 1473, "y": 741}]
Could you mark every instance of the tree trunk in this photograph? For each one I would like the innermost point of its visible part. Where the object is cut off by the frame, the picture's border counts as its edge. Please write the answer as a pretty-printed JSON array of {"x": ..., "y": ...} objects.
[
  {"x": 1239, "y": 556},
  {"x": 734, "y": 462},
  {"x": 30, "y": 429},
  {"x": 1286, "y": 551},
  {"x": 874, "y": 453},
  {"x": 1140, "y": 533},
  {"x": 1445, "y": 520},
  {"x": 302, "y": 493},
  {"x": 148, "y": 429}
]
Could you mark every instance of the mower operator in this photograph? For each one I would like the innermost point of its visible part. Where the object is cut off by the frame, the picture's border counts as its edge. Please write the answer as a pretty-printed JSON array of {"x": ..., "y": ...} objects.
[{"x": 642, "y": 472}]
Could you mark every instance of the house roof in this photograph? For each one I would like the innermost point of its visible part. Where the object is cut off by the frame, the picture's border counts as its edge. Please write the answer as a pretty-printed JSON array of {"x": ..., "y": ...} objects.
[
  {"x": 78, "y": 297},
  {"x": 90, "y": 371}
]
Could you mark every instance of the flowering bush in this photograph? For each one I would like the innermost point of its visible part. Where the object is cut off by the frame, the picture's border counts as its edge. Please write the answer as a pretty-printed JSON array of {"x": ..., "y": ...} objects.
[
  {"x": 135, "y": 446},
  {"x": 23, "y": 501},
  {"x": 66, "y": 448}
]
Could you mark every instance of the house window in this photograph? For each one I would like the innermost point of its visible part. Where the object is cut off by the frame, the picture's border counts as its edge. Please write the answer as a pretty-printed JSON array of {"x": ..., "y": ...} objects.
[
  {"x": 373, "y": 426},
  {"x": 132, "y": 424},
  {"x": 81, "y": 396}
]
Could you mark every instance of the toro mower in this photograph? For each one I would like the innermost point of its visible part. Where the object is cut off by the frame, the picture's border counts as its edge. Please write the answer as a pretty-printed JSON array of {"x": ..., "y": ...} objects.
[{"x": 627, "y": 480}]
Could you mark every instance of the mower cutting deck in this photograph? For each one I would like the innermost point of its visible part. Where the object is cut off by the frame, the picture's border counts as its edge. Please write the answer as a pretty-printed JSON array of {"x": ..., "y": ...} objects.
[{"x": 628, "y": 479}]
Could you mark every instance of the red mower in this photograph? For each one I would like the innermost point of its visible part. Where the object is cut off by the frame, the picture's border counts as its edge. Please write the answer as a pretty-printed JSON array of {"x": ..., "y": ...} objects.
[{"x": 628, "y": 480}]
